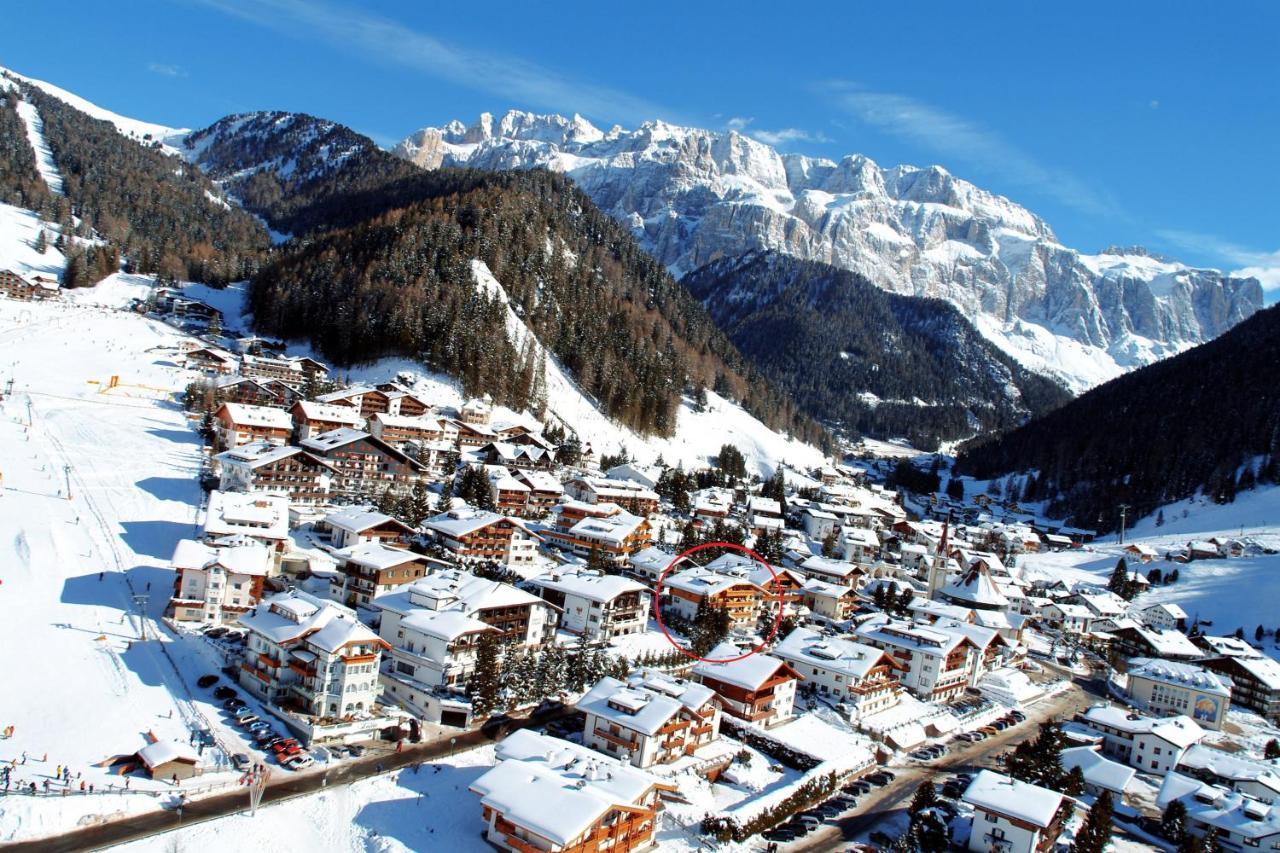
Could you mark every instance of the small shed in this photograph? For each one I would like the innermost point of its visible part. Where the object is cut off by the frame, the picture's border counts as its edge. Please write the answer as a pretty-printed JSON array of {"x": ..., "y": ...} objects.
[{"x": 166, "y": 759}]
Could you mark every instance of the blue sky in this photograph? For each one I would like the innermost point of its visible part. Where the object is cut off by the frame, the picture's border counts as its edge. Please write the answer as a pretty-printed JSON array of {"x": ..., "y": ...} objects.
[{"x": 1125, "y": 123}]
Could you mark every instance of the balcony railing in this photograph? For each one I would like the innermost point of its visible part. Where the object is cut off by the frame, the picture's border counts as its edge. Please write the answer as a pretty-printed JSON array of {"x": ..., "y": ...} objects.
[{"x": 618, "y": 739}]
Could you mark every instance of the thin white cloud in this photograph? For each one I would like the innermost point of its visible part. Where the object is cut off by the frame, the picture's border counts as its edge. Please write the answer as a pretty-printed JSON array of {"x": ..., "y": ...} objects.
[
  {"x": 384, "y": 40},
  {"x": 780, "y": 137},
  {"x": 1252, "y": 263},
  {"x": 965, "y": 141},
  {"x": 166, "y": 70}
]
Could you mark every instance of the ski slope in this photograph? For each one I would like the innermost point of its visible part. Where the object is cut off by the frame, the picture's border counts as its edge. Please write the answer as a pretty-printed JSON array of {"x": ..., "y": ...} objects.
[
  {"x": 1239, "y": 592},
  {"x": 170, "y": 138},
  {"x": 699, "y": 434},
  {"x": 19, "y": 230},
  {"x": 87, "y": 686},
  {"x": 44, "y": 154}
]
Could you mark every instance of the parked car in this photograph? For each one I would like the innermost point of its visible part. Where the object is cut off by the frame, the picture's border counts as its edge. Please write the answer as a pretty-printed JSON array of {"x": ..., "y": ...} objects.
[
  {"x": 299, "y": 762},
  {"x": 215, "y": 633},
  {"x": 778, "y": 835},
  {"x": 243, "y": 711},
  {"x": 827, "y": 810},
  {"x": 206, "y": 681},
  {"x": 241, "y": 761},
  {"x": 233, "y": 703},
  {"x": 246, "y": 719},
  {"x": 799, "y": 827},
  {"x": 355, "y": 749},
  {"x": 338, "y": 750},
  {"x": 889, "y": 775},
  {"x": 224, "y": 693},
  {"x": 812, "y": 819},
  {"x": 1019, "y": 716},
  {"x": 259, "y": 726}
]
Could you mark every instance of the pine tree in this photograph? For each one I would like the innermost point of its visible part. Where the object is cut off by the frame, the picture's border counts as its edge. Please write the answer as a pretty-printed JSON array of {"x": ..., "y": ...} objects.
[
  {"x": 955, "y": 489},
  {"x": 42, "y": 242},
  {"x": 925, "y": 832},
  {"x": 485, "y": 682},
  {"x": 1073, "y": 783},
  {"x": 1173, "y": 823},
  {"x": 1095, "y": 832},
  {"x": 829, "y": 544},
  {"x": 1271, "y": 750},
  {"x": 1119, "y": 582}
]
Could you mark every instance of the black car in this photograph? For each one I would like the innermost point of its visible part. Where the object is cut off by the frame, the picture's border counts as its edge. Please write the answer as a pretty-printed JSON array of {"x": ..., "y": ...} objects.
[
  {"x": 355, "y": 749},
  {"x": 233, "y": 704},
  {"x": 799, "y": 827},
  {"x": 215, "y": 633},
  {"x": 206, "y": 681},
  {"x": 778, "y": 835},
  {"x": 1018, "y": 715},
  {"x": 224, "y": 693}
]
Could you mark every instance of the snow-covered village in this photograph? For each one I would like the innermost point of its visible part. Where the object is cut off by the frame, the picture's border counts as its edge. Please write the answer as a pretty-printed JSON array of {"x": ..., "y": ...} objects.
[{"x": 371, "y": 507}]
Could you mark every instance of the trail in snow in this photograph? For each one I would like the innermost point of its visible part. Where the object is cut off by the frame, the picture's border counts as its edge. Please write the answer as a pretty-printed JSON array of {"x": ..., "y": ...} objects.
[
  {"x": 699, "y": 433},
  {"x": 44, "y": 154}
]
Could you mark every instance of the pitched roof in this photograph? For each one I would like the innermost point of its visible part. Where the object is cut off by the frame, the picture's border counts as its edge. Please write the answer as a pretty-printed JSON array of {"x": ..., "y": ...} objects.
[
  {"x": 835, "y": 654},
  {"x": 999, "y": 793},
  {"x": 557, "y": 789},
  {"x": 749, "y": 672},
  {"x": 259, "y": 416},
  {"x": 588, "y": 584}
]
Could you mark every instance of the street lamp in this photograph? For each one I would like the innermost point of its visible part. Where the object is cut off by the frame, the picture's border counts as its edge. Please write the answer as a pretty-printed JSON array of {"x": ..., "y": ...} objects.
[{"x": 453, "y": 744}]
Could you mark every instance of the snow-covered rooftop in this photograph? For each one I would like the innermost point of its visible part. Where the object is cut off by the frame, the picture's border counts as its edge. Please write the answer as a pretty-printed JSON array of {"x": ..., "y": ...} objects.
[{"x": 996, "y": 792}]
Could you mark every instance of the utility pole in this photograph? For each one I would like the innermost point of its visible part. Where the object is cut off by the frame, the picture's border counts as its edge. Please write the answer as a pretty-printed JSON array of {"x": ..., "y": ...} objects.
[
  {"x": 140, "y": 604},
  {"x": 1124, "y": 509},
  {"x": 66, "y": 471}
]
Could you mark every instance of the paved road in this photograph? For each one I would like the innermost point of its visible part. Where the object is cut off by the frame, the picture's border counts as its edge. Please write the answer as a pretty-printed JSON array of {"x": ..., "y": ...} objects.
[
  {"x": 874, "y": 807},
  {"x": 283, "y": 785}
]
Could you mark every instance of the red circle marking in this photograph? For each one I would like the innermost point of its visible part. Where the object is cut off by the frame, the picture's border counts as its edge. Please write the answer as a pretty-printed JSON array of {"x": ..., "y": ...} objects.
[{"x": 657, "y": 593}]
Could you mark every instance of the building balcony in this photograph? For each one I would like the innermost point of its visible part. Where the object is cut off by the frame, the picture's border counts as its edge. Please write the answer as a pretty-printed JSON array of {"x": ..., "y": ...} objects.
[{"x": 618, "y": 739}]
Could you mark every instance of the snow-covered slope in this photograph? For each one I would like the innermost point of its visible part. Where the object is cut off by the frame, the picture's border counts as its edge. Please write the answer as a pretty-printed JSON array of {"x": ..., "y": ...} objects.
[
  {"x": 44, "y": 156},
  {"x": 19, "y": 231},
  {"x": 693, "y": 196},
  {"x": 170, "y": 138},
  {"x": 699, "y": 434}
]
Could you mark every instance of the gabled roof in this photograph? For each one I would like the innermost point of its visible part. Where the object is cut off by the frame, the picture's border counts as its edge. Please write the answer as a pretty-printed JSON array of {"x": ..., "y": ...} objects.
[
  {"x": 834, "y": 654},
  {"x": 327, "y": 412},
  {"x": 375, "y": 555},
  {"x": 358, "y": 520},
  {"x": 749, "y": 673},
  {"x": 1097, "y": 769},
  {"x": 447, "y": 625},
  {"x": 255, "y": 454},
  {"x": 557, "y": 789},
  {"x": 463, "y": 520},
  {"x": 259, "y": 416},
  {"x": 588, "y": 584},
  {"x": 996, "y": 792},
  {"x": 162, "y": 752},
  {"x": 252, "y": 559},
  {"x": 703, "y": 582}
]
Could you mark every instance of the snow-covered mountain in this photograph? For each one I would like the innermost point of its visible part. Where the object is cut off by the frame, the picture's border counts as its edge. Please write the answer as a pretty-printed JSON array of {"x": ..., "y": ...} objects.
[{"x": 693, "y": 196}]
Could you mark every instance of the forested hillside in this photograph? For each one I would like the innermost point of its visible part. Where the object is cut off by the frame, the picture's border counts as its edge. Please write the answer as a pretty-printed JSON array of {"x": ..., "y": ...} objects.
[
  {"x": 20, "y": 182},
  {"x": 870, "y": 361},
  {"x": 157, "y": 212},
  {"x": 1208, "y": 418},
  {"x": 384, "y": 269}
]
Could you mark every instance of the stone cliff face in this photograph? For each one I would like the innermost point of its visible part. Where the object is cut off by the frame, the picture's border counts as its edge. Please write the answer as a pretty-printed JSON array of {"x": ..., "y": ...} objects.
[{"x": 696, "y": 196}]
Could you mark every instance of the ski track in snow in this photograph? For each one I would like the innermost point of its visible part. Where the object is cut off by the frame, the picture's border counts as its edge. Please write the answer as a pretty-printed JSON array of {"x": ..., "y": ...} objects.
[{"x": 44, "y": 154}]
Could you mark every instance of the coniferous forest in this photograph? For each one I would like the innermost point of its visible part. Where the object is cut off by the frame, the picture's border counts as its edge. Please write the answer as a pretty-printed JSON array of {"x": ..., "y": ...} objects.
[
  {"x": 1208, "y": 419},
  {"x": 866, "y": 360},
  {"x": 380, "y": 264}
]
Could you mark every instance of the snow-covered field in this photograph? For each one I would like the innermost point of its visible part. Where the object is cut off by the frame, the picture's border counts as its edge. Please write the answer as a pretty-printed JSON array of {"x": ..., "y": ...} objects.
[
  {"x": 1230, "y": 593},
  {"x": 89, "y": 687},
  {"x": 404, "y": 811}
]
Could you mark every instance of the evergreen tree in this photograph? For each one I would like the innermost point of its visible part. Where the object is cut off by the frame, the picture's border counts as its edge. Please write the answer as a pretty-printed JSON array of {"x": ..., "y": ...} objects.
[
  {"x": 1271, "y": 750},
  {"x": 955, "y": 489},
  {"x": 1073, "y": 783},
  {"x": 1259, "y": 633},
  {"x": 1173, "y": 823},
  {"x": 1120, "y": 583},
  {"x": 925, "y": 831},
  {"x": 1095, "y": 832},
  {"x": 42, "y": 242},
  {"x": 829, "y": 544},
  {"x": 485, "y": 682}
]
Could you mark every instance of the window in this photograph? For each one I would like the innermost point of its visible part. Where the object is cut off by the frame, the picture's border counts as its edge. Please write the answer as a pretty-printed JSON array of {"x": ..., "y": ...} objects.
[{"x": 989, "y": 817}]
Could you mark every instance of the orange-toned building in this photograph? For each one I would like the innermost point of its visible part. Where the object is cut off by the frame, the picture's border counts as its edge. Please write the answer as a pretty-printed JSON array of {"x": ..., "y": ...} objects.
[
  {"x": 548, "y": 795},
  {"x": 759, "y": 688},
  {"x": 687, "y": 589}
]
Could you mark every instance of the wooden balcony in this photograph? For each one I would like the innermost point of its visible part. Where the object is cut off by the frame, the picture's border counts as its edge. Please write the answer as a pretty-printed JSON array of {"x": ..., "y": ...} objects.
[{"x": 619, "y": 740}]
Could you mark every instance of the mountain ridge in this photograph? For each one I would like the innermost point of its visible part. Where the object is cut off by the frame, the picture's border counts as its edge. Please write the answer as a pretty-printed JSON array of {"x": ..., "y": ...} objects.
[
  {"x": 878, "y": 363},
  {"x": 692, "y": 196}
]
